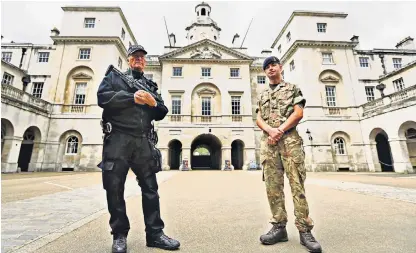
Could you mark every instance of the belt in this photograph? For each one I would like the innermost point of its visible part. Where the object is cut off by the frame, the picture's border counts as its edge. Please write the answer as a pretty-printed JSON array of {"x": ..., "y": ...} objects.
[{"x": 130, "y": 132}]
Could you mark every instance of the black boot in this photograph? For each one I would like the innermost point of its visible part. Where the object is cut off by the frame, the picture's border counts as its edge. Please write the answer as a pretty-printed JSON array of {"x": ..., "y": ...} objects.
[
  {"x": 307, "y": 240},
  {"x": 276, "y": 234},
  {"x": 163, "y": 242},
  {"x": 119, "y": 244}
]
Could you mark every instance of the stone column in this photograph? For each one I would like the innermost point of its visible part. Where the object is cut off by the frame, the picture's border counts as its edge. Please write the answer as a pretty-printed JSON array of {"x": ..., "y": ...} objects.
[
  {"x": 186, "y": 155},
  {"x": 226, "y": 155},
  {"x": 10, "y": 154},
  {"x": 165, "y": 158},
  {"x": 370, "y": 150},
  {"x": 250, "y": 155},
  {"x": 309, "y": 159},
  {"x": 400, "y": 154}
]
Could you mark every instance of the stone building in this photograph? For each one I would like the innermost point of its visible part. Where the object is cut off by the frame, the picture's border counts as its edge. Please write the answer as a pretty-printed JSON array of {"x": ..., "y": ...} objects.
[{"x": 360, "y": 112}]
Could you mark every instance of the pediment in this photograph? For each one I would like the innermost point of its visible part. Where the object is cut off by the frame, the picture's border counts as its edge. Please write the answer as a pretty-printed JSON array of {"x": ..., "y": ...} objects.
[
  {"x": 329, "y": 79},
  {"x": 206, "y": 91},
  {"x": 205, "y": 50},
  {"x": 81, "y": 76}
]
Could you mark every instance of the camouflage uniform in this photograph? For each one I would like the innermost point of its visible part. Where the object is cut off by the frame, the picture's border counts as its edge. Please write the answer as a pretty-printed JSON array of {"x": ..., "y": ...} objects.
[{"x": 286, "y": 155}]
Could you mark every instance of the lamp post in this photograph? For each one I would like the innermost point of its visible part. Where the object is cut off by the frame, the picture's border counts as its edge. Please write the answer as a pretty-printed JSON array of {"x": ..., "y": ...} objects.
[{"x": 309, "y": 134}]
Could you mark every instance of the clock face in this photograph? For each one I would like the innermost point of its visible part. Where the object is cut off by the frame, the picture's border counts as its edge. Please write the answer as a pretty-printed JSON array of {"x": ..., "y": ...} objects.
[{"x": 203, "y": 35}]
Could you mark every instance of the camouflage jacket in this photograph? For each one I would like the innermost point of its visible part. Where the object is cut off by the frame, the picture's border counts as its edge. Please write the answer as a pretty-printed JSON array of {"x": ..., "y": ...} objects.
[{"x": 277, "y": 105}]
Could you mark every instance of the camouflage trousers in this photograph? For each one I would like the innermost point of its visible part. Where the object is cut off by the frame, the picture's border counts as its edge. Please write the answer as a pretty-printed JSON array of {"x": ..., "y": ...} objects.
[{"x": 286, "y": 156}]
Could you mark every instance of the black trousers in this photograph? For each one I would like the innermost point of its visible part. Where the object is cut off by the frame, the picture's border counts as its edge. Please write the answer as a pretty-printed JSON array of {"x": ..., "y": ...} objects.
[{"x": 121, "y": 152}]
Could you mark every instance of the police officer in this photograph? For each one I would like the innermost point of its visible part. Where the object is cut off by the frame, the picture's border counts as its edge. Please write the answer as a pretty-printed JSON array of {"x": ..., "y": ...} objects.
[
  {"x": 279, "y": 109},
  {"x": 130, "y": 113}
]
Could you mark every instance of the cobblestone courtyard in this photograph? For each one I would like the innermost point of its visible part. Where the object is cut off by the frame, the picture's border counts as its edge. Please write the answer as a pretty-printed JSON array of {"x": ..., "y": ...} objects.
[{"x": 209, "y": 211}]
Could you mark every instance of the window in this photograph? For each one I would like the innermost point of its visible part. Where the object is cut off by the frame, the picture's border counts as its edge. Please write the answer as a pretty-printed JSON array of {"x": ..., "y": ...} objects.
[
  {"x": 236, "y": 108},
  {"x": 261, "y": 79},
  {"x": 234, "y": 72},
  {"x": 176, "y": 104},
  {"x": 80, "y": 91},
  {"x": 288, "y": 36},
  {"x": 283, "y": 74},
  {"x": 206, "y": 106},
  {"x": 149, "y": 76},
  {"x": 43, "y": 57},
  {"x": 6, "y": 56},
  {"x": 89, "y": 22},
  {"x": 292, "y": 65},
  {"x": 397, "y": 63},
  {"x": 330, "y": 96},
  {"x": 364, "y": 62},
  {"x": 279, "y": 48},
  {"x": 339, "y": 146},
  {"x": 72, "y": 145},
  {"x": 37, "y": 89},
  {"x": 123, "y": 33},
  {"x": 369, "y": 92},
  {"x": 120, "y": 63},
  {"x": 327, "y": 58},
  {"x": 177, "y": 71},
  {"x": 7, "y": 79},
  {"x": 398, "y": 84},
  {"x": 321, "y": 27},
  {"x": 206, "y": 71},
  {"x": 84, "y": 53}
]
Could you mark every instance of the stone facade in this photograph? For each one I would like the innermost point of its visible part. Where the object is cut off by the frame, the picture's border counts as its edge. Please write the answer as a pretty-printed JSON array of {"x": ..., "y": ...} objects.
[{"x": 359, "y": 111}]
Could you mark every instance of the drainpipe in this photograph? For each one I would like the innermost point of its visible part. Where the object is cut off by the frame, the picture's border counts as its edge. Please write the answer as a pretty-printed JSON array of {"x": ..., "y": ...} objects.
[{"x": 21, "y": 59}]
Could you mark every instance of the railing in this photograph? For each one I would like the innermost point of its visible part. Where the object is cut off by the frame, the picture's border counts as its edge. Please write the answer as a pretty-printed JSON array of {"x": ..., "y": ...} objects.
[
  {"x": 210, "y": 119},
  {"x": 336, "y": 111},
  {"x": 24, "y": 98},
  {"x": 74, "y": 108},
  {"x": 395, "y": 97}
]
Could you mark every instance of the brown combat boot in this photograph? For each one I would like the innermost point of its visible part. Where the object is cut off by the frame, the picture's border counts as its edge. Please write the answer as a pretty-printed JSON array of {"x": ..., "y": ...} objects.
[
  {"x": 276, "y": 234},
  {"x": 307, "y": 240}
]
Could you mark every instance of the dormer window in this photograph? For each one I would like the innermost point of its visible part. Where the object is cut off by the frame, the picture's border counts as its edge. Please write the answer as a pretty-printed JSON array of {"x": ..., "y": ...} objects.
[{"x": 203, "y": 12}]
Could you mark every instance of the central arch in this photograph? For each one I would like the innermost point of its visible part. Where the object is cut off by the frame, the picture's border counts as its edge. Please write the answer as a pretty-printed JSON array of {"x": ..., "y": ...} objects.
[{"x": 206, "y": 152}]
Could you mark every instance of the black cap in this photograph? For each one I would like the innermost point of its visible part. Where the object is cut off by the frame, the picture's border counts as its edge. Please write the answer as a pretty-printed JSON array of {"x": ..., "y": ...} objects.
[
  {"x": 270, "y": 59},
  {"x": 135, "y": 48}
]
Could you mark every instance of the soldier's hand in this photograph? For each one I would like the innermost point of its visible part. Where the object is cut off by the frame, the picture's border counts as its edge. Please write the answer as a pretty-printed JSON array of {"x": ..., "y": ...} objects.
[
  {"x": 271, "y": 141},
  {"x": 276, "y": 133}
]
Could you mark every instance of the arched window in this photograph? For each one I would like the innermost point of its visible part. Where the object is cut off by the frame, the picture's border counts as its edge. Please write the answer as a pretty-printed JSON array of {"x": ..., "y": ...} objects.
[
  {"x": 203, "y": 12},
  {"x": 72, "y": 145},
  {"x": 410, "y": 133},
  {"x": 29, "y": 136},
  {"x": 339, "y": 146}
]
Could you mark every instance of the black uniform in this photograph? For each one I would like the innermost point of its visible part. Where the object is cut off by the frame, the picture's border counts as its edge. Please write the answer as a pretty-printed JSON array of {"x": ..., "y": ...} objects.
[{"x": 128, "y": 146}]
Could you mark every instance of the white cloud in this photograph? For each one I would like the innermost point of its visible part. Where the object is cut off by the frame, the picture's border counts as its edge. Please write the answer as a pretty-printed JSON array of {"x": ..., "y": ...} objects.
[{"x": 379, "y": 24}]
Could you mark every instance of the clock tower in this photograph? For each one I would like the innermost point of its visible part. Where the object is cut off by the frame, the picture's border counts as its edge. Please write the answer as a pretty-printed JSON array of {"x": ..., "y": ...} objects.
[{"x": 203, "y": 27}]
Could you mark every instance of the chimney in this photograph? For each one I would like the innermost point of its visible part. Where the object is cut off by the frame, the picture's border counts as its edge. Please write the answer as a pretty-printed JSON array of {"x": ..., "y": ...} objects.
[
  {"x": 172, "y": 39},
  {"x": 356, "y": 40},
  {"x": 55, "y": 32},
  {"x": 236, "y": 40},
  {"x": 406, "y": 43},
  {"x": 266, "y": 52}
]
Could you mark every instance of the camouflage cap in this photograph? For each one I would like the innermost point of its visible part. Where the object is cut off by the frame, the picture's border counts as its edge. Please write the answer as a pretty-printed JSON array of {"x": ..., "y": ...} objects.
[
  {"x": 135, "y": 48},
  {"x": 270, "y": 59}
]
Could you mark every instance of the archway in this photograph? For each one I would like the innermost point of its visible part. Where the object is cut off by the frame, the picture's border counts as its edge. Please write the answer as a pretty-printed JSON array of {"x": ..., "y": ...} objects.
[
  {"x": 7, "y": 131},
  {"x": 175, "y": 153},
  {"x": 407, "y": 135},
  {"x": 26, "y": 149},
  {"x": 237, "y": 154},
  {"x": 206, "y": 152},
  {"x": 384, "y": 152}
]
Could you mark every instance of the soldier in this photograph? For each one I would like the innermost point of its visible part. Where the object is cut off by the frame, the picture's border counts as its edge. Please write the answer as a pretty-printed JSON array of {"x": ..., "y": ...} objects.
[
  {"x": 279, "y": 109},
  {"x": 128, "y": 116}
]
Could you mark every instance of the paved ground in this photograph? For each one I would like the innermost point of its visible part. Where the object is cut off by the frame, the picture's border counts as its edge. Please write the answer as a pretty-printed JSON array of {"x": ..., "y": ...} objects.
[{"x": 214, "y": 211}]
